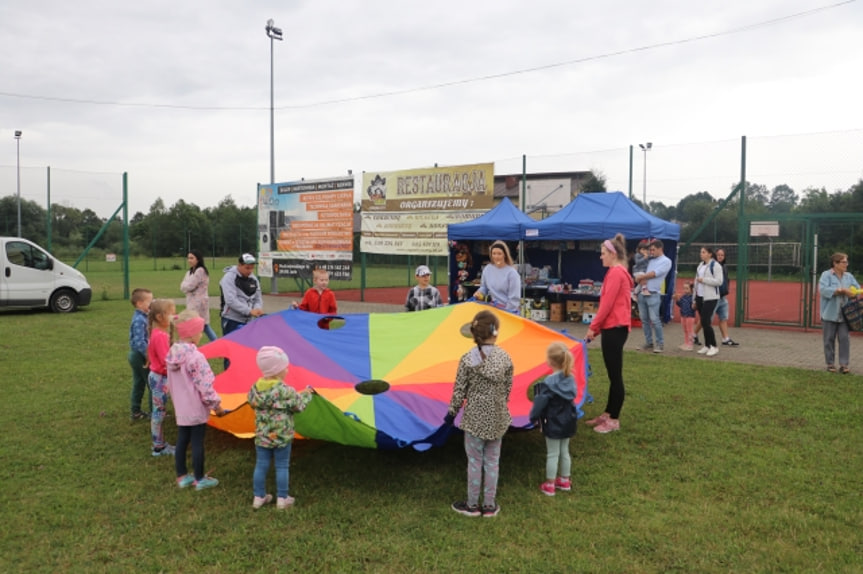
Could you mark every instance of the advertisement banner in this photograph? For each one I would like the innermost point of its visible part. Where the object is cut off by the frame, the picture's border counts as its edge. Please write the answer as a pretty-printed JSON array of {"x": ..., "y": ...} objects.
[
  {"x": 407, "y": 212},
  {"x": 306, "y": 224}
]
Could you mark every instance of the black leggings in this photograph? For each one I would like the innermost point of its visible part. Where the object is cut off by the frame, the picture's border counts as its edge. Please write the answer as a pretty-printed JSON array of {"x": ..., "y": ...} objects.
[
  {"x": 705, "y": 313},
  {"x": 612, "y": 354},
  {"x": 185, "y": 435}
]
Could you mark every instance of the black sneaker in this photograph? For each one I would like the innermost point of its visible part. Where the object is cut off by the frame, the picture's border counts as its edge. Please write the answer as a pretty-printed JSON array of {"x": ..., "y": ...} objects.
[
  {"x": 462, "y": 508},
  {"x": 730, "y": 343},
  {"x": 695, "y": 341},
  {"x": 140, "y": 416},
  {"x": 490, "y": 511}
]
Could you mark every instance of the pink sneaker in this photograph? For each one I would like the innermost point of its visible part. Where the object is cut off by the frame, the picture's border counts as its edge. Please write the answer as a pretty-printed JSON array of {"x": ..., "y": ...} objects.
[
  {"x": 686, "y": 347},
  {"x": 260, "y": 501},
  {"x": 284, "y": 503},
  {"x": 547, "y": 487},
  {"x": 564, "y": 484},
  {"x": 597, "y": 421},
  {"x": 607, "y": 426}
]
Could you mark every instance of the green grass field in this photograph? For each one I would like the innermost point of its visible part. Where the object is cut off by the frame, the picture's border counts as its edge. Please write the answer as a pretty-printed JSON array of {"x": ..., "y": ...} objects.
[
  {"x": 163, "y": 276},
  {"x": 732, "y": 469}
]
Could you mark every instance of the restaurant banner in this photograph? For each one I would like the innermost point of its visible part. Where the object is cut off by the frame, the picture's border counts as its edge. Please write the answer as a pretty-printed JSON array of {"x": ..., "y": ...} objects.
[{"x": 407, "y": 212}]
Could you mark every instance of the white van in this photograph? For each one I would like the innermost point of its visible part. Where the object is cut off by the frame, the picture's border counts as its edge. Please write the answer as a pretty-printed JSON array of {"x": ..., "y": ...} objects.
[{"x": 30, "y": 277}]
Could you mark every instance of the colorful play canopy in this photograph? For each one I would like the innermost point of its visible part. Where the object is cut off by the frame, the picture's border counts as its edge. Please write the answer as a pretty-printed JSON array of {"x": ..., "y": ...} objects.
[{"x": 384, "y": 380}]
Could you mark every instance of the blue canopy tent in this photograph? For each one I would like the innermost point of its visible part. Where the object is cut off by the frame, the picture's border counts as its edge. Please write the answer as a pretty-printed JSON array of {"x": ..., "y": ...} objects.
[
  {"x": 594, "y": 217},
  {"x": 504, "y": 222}
]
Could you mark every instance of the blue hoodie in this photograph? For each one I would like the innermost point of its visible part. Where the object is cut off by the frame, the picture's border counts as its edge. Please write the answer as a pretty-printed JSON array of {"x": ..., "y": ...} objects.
[{"x": 553, "y": 406}]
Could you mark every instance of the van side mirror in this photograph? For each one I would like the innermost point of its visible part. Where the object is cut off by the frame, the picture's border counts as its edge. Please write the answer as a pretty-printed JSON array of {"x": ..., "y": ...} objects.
[{"x": 49, "y": 265}]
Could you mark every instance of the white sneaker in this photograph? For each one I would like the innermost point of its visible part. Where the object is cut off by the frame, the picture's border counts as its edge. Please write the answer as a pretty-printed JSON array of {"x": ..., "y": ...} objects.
[
  {"x": 703, "y": 350},
  {"x": 260, "y": 501},
  {"x": 712, "y": 351}
]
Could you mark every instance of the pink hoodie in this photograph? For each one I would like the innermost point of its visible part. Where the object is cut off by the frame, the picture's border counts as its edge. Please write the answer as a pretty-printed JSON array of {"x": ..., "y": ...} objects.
[{"x": 190, "y": 384}]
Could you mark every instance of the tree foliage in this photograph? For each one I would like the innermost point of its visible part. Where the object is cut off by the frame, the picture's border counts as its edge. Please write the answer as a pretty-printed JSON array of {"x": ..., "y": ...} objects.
[
  {"x": 594, "y": 183},
  {"x": 224, "y": 230},
  {"x": 228, "y": 229}
]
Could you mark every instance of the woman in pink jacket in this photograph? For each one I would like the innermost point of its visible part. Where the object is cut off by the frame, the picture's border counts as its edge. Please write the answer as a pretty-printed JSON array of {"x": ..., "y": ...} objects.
[
  {"x": 613, "y": 321},
  {"x": 196, "y": 286}
]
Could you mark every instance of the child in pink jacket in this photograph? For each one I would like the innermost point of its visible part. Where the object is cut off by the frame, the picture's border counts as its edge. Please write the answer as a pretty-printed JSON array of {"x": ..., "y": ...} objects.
[{"x": 190, "y": 384}]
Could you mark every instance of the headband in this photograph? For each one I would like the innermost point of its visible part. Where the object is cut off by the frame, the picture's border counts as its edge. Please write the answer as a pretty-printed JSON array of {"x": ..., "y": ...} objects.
[{"x": 608, "y": 245}]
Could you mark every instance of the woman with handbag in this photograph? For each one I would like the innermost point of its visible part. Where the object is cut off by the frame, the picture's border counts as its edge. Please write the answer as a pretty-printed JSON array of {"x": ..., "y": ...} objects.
[{"x": 835, "y": 288}]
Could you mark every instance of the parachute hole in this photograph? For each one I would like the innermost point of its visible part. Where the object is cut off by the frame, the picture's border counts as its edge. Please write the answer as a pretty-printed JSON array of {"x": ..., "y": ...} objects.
[
  {"x": 531, "y": 389},
  {"x": 331, "y": 323},
  {"x": 372, "y": 387},
  {"x": 465, "y": 331}
]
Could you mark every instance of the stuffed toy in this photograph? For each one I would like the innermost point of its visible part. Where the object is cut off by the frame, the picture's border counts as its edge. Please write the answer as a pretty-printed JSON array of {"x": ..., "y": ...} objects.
[{"x": 464, "y": 262}]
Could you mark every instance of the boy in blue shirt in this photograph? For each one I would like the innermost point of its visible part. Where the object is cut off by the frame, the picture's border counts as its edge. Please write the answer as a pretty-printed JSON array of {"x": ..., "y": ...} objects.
[{"x": 138, "y": 341}]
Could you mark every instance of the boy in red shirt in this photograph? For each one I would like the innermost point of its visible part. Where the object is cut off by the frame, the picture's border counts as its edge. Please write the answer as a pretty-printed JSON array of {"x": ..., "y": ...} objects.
[{"x": 319, "y": 298}]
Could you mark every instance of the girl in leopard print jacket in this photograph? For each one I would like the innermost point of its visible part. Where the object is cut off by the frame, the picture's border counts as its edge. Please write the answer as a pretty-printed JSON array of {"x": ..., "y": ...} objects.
[{"x": 482, "y": 386}]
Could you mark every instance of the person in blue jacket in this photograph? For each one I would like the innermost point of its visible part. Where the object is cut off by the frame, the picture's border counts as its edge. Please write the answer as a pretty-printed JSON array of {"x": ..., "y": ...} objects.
[
  {"x": 835, "y": 286},
  {"x": 554, "y": 411}
]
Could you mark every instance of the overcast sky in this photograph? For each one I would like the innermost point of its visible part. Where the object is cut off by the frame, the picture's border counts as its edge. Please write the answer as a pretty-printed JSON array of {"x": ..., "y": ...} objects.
[{"x": 177, "y": 94}]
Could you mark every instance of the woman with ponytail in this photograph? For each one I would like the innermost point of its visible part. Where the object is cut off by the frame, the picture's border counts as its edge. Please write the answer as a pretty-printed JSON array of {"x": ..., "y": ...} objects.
[{"x": 613, "y": 321}]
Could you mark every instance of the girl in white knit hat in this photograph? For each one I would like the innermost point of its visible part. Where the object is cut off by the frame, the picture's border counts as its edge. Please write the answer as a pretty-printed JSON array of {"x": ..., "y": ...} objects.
[{"x": 274, "y": 403}]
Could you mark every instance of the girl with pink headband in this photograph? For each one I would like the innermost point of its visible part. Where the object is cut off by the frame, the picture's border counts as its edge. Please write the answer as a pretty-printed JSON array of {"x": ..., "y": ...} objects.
[{"x": 190, "y": 383}]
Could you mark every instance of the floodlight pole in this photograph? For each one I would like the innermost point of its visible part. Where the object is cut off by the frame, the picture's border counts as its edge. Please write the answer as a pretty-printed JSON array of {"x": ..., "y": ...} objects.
[
  {"x": 273, "y": 33},
  {"x": 645, "y": 148},
  {"x": 18, "y": 163}
]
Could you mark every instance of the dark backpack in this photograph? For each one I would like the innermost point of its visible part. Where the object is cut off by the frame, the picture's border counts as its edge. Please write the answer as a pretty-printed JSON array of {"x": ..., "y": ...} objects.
[{"x": 723, "y": 288}]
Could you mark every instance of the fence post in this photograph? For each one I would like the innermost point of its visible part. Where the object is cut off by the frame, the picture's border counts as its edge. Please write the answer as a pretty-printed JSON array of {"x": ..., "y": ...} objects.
[
  {"x": 742, "y": 240},
  {"x": 48, "y": 222},
  {"x": 125, "y": 235}
]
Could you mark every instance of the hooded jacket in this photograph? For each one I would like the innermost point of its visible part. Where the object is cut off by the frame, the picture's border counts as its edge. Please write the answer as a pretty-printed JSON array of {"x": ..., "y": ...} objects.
[
  {"x": 190, "y": 384},
  {"x": 553, "y": 406},
  {"x": 711, "y": 274},
  {"x": 275, "y": 404},
  {"x": 483, "y": 385},
  {"x": 240, "y": 295}
]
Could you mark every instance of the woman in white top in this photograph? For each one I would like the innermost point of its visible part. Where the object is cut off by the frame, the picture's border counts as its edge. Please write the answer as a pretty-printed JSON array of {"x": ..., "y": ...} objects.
[{"x": 708, "y": 278}]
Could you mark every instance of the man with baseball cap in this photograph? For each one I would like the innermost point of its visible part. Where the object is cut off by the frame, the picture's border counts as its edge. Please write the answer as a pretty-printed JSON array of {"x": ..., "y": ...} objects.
[
  {"x": 422, "y": 295},
  {"x": 241, "y": 294}
]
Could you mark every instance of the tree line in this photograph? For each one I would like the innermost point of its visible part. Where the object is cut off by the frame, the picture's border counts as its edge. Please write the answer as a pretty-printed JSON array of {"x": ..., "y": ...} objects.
[
  {"x": 224, "y": 230},
  {"x": 228, "y": 229}
]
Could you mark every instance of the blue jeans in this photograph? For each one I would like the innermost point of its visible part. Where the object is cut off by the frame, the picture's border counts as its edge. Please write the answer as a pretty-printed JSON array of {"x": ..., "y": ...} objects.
[
  {"x": 651, "y": 322},
  {"x": 282, "y": 457},
  {"x": 229, "y": 326},
  {"x": 722, "y": 309},
  {"x": 208, "y": 331}
]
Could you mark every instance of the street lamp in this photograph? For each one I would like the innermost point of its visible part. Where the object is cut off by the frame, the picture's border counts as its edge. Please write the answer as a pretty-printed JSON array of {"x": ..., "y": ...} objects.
[
  {"x": 273, "y": 33},
  {"x": 18, "y": 145},
  {"x": 645, "y": 148}
]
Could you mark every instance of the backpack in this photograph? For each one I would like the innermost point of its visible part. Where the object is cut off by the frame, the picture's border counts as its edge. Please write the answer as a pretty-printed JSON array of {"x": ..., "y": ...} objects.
[{"x": 723, "y": 288}]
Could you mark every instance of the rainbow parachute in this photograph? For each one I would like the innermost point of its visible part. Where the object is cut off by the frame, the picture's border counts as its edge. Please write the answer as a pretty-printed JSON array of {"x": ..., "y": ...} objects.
[{"x": 384, "y": 380}]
